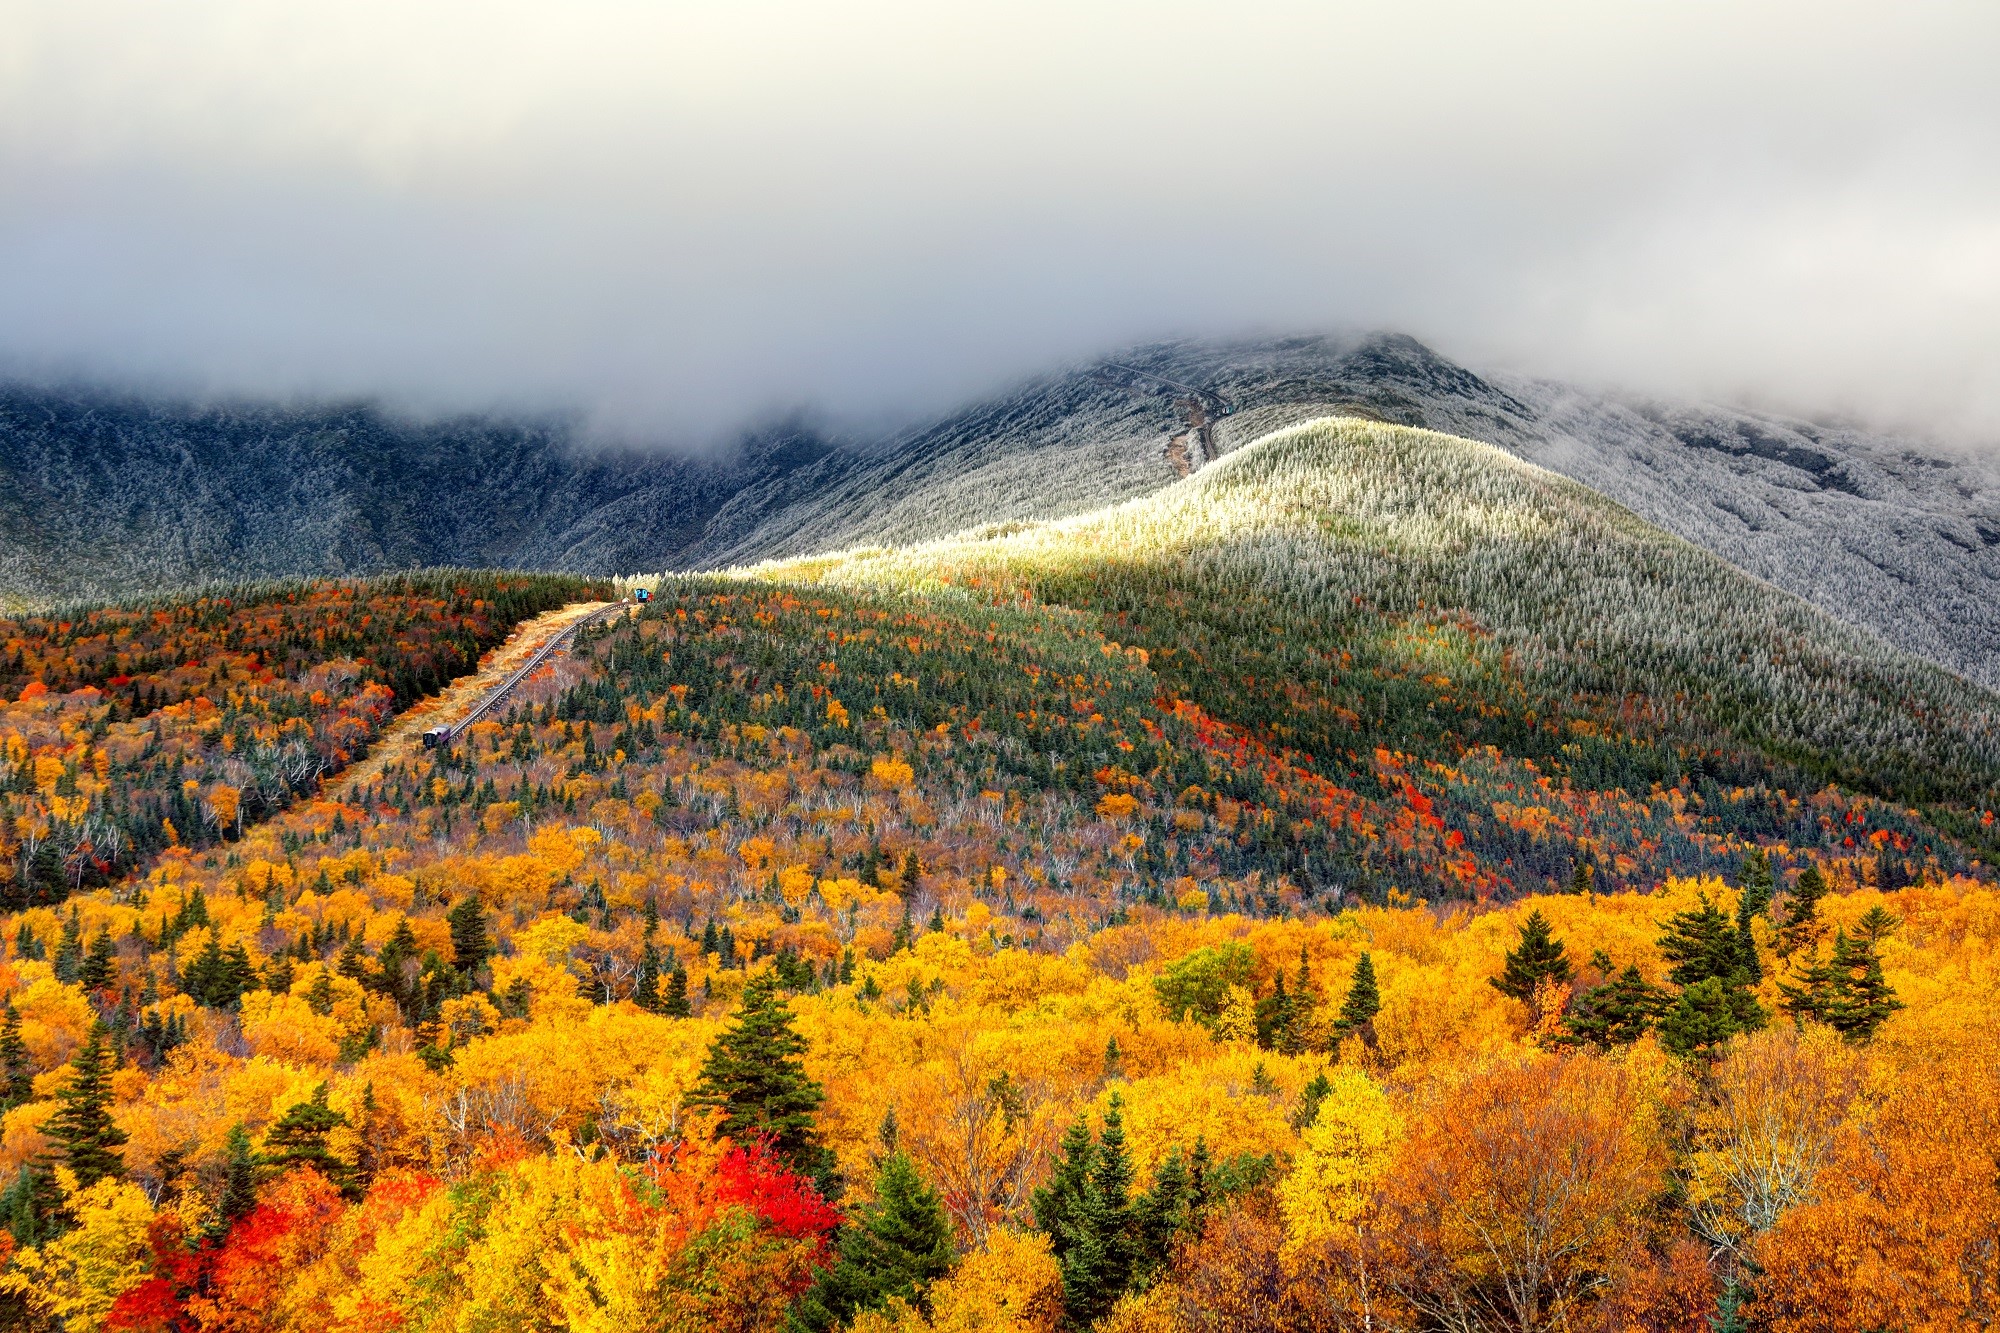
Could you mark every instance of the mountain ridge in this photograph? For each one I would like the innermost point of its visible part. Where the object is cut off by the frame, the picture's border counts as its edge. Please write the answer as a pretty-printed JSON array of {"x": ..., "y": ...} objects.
[{"x": 104, "y": 492}]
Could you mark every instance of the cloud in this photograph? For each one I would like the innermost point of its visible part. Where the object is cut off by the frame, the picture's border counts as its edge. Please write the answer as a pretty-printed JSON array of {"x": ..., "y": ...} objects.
[{"x": 680, "y": 216}]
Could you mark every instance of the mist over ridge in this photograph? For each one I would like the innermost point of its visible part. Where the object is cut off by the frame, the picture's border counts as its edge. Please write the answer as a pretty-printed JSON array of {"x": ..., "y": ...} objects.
[{"x": 678, "y": 219}]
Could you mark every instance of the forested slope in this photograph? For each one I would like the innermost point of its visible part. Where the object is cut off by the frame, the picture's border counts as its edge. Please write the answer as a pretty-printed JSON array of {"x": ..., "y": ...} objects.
[
  {"x": 100, "y": 494},
  {"x": 1369, "y": 881}
]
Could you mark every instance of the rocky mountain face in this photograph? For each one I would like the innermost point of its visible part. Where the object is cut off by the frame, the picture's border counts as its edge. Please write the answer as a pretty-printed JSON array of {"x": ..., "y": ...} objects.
[{"x": 101, "y": 496}]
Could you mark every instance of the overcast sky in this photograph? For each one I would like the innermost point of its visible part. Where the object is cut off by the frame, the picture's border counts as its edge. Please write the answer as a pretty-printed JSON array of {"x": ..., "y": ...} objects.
[{"x": 680, "y": 216}]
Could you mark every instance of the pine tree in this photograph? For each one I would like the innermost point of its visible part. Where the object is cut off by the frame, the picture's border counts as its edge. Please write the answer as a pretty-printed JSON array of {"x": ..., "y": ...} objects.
[
  {"x": 646, "y": 985},
  {"x": 69, "y": 949},
  {"x": 1364, "y": 1001},
  {"x": 1862, "y": 997},
  {"x": 353, "y": 962},
  {"x": 1876, "y": 924},
  {"x": 1161, "y": 1216},
  {"x": 1617, "y": 1012},
  {"x": 1275, "y": 1014},
  {"x": 1746, "y": 942},
  {"x": 17, "y": 1080},
  {"x": 1715, "y": 1001},
  {"x": 97, "y": 970},
  {"x": 1538, "y": 956},
  {"x": 674, "y": 1004},
  {"x": 400, "y": 950},
  {"x": 905, "y": 933},
  {"x": 1059, "y": 1206},
  {"x": 1758, "y": 883},
  {"x": 82, "y": 1128},
  {"x": 1701, "y": 944},
  {"x": 1582, "y": 877},
  {"x": 1701, "y": 1017},
  {"x": 1801, "y": 928},
  {"x": 894, "y": 1247},
  {"x": 1086, "y": 1210},
  {"x": 299, "y": 1138},
  {"x": 239, "y": 1183},
  {"x": 754, "y": 1076},
  {"x": 469, "y": 947},
  {"x": 1848, "y": 992}
]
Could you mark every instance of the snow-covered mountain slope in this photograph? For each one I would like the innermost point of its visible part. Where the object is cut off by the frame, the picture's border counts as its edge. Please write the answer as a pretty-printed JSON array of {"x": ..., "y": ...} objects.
[{"x": 100, "y": 494}]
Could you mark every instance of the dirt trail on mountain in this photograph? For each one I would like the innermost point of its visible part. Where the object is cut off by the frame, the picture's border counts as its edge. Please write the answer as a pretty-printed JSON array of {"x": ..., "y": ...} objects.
[{"x": 404, "y": 737}]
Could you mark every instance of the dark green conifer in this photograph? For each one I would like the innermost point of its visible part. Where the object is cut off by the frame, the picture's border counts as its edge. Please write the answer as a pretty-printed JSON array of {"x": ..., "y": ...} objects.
[
  {"x": 1538, "y": 956},
  {"x": 401, "y": 949},
  {"x": 893, "y": 1247},
  {"x": 1275, "y": 1014},
  {"x": 1310, "y": 1098},
  {"x": 1616, "y": 1012},
  {"x": 17, "y": 1079},
  {"x": 1847, "y": 992},
  {"x": 1751, "y": 966},
  {"x": 81, "y": 1129},
  {"x": 299, "y": 1138},
  {"x": 1704, "y": 1015},
  {"x": 1363, "y": 1002},
  {"x": 1801, "y": 927},
  {"x": 1758, "y": 884},
  {"x": 98, "y": 964},
  {"x": 239, "y": 1183},
  {"x": 1715, "y": 1001},
  {"x": 1702, "y": 944},
  {"x": 353, "y": 962},
  {"x": 754, "y": 1076},
  {"x": 469, "y": 947},
  {"x": 674, "y": 1003},
  {"x": 646, "y": 984},
  {"x": 68, "y": 961}
]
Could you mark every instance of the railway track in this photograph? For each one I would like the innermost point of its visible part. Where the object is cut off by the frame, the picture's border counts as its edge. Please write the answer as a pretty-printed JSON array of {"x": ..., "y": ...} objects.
[
  {"x": 1199, "y": 409},
  {"x": 442, "y": 737}
]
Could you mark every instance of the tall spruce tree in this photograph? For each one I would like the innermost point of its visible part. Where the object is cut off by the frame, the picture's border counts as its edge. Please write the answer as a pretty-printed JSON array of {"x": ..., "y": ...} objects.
[
  {"x": 1617, "y": 1012},
  {"x": 17, "y": 1076},
  {"x": 1801, "y": 928},
  {"x": 299, "y": 1138},
  {"x": 1364, "y": 1001},
  {"x": 646, "y": 985},
  {"x": 1758, "y": 884},
  {"x": 469, "y": 946},
  {"x": 86, "y": 1139},
  {"x": 674, "y": 1001},
  {"x": 1715, "y": 1001},
  {"x": 1539, "y": 956},
  {"x": 893, "y": 1247},
  {"x": 1746, "y": 941},
  {"x": 754, "y": 1076},
  {"x": 1086, "y": 1211},
  {"x": 1847, "y": 992},
  {"x": 98, "y": 969},
  {"x": 239, "y": 1183}
]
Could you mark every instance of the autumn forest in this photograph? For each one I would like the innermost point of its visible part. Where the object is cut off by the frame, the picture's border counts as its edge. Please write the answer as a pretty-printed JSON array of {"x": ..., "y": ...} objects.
[{"x": 1208, "y": 914}]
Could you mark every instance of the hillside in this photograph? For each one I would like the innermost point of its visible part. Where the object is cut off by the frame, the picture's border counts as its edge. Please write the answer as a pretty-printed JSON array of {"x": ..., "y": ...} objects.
[
  {"x": 104, "y": 494},
  {"x": 1369, "y": 878},
  {"x": 1341, "y": 590}
]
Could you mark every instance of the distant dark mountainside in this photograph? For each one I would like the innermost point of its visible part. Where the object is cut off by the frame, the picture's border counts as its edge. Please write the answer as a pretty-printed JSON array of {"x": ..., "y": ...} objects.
[{"x": 101, "y": 496}]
